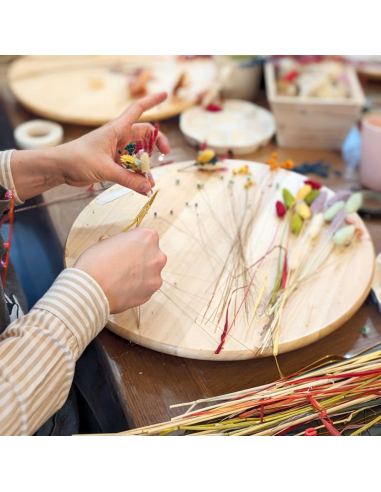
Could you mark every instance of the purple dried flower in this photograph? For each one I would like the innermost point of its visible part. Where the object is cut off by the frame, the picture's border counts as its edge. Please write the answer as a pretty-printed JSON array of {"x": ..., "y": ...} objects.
[
  {"x": 338, "y": 220},
  {"x": 339, "y": 196},
  {"x": 318, "y": 204}
]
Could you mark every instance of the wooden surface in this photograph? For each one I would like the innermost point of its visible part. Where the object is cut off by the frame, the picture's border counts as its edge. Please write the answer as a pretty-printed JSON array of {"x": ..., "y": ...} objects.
[
  {"x": 148, "y": 382},
  {"x": 179, "y": 320},
  {"x": 92, "y": 89}
]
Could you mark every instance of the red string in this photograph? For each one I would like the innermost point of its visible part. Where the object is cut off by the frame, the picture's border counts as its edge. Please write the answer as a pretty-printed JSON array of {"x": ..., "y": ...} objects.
[
  {"x": 262, "y": 413},
  {"x": 226, "y": 327},
  {"x": 288, "y": 430},
  {"x": 323, "y": 416},
  {"x": 311, "y": 432},
  {"x": 285, "y": 271},
  {"x": 10, "y": 216},
  {"x": 336, "y": 376}
]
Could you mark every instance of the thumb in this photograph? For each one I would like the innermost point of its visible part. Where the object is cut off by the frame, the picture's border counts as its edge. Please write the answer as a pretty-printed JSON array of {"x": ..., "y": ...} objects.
[{"x": 129, "y": 179}]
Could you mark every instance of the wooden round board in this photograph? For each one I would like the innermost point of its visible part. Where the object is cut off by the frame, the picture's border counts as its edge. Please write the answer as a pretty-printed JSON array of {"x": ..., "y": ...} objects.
[
  {"x": 241, "y": 127},
  {"x": 368, "y": 66},
  {"x": 198, "y": 228},
  {"x": 93, "y": 89}
]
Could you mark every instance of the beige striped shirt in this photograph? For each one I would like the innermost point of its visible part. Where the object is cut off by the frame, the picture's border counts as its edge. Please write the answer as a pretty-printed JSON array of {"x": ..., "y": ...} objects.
[{"x": 38, "y": 352}]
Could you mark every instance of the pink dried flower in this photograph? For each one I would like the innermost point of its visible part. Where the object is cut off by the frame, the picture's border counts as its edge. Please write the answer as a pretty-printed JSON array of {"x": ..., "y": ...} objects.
[
  {"x": 350, "y": 220},
  {"x": 150, "y": 138},
  {"x": 139, "y": 146}
]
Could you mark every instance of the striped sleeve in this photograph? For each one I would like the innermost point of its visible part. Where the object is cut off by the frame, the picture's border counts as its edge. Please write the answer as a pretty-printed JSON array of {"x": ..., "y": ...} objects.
[
  {"x": 38, "y": 352},
  {"x": 6, "y": 178}
]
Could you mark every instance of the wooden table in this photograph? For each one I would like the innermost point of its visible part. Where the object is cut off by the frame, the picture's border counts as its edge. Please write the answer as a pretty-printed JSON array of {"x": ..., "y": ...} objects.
[{"x": 148, "y": 382}]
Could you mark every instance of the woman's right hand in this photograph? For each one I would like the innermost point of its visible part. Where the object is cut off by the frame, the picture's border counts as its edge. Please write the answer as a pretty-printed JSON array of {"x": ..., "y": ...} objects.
[{"x": 127, "y": 267}]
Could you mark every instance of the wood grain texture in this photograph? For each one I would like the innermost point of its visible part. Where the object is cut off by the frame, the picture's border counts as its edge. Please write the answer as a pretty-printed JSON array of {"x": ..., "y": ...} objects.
[
  {"x": 93, "y": 90},
  {"x": 197, "y": 241}
]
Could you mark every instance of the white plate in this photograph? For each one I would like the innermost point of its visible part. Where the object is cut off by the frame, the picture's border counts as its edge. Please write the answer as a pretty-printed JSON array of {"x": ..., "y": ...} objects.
[{"x": 241, "y": 127}]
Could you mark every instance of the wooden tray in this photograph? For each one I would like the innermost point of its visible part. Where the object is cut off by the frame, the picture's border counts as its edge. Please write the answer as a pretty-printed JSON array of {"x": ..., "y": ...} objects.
[
  {"x": 93, "y": 89},
  {"x": 197, "y": 241}
]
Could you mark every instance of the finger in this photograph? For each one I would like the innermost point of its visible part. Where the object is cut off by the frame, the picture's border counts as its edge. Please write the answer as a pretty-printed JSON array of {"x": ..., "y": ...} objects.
[
  {"x": 134, "y": 112},
  {"x": 151, "y": 234},
  {"x": 151, "y": 180},
  {"x": 139, "y": 131},
  {"x": 163, "y": 144},
  {"x": 128, "y": 179}
]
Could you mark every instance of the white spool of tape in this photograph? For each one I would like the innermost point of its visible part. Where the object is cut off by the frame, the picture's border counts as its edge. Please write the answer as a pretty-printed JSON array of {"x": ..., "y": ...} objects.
[{"x": 38, "y": 134}]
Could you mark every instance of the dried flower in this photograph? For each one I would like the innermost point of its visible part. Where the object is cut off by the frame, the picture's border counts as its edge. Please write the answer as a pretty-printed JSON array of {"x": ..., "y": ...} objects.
[
  {"x": 315, "y": 185},
  {"x": 288, "y": 198},
  {"x": 280, "y": 209}
]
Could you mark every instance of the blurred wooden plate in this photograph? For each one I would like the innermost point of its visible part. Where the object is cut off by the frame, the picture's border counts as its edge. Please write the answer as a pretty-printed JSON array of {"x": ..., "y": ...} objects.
[{"x": 94, "y": 89}]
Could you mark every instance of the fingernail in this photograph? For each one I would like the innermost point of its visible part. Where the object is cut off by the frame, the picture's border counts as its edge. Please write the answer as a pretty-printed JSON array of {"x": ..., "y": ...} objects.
[
  {"x": 145, "y": 187},
  {"x": 149, "y": 194}
]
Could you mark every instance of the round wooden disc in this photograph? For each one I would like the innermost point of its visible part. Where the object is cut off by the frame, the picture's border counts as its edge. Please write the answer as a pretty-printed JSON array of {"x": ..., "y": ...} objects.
[
  {"x": 241, "y": 127},
  {"x": 94, "y": 89},
  {"x": 212, "y": 234}
]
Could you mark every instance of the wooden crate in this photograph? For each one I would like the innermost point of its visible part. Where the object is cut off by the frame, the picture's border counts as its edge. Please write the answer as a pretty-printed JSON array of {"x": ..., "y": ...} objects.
[{"x": 309, "y": 122}]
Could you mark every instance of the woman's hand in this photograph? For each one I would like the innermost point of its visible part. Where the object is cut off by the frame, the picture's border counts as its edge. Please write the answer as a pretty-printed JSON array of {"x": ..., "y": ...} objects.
[
  {"x": 127, "y": 267},
  {"x": 94, "y": 157},
  {"x": 90, "y": 159}
]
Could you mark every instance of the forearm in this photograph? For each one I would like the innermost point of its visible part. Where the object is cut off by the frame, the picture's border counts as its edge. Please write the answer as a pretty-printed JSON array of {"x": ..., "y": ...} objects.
[
  {"x": 38, "y": 352},
  {"x": 35, "y": 171}
]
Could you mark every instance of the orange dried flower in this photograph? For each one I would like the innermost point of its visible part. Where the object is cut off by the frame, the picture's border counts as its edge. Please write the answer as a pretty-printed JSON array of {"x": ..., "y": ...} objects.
[
  {"x": 288, "y": 164},
  {"x": 274, "y": 166}
]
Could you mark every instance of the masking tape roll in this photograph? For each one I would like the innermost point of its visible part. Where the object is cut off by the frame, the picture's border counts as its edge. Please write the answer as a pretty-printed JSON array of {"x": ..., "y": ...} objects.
[{"x": 38, "y": 134}]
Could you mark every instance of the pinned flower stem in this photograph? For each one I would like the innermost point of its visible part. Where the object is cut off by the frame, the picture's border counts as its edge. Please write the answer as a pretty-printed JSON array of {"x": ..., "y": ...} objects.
[{"x": 304, "y": 262}]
